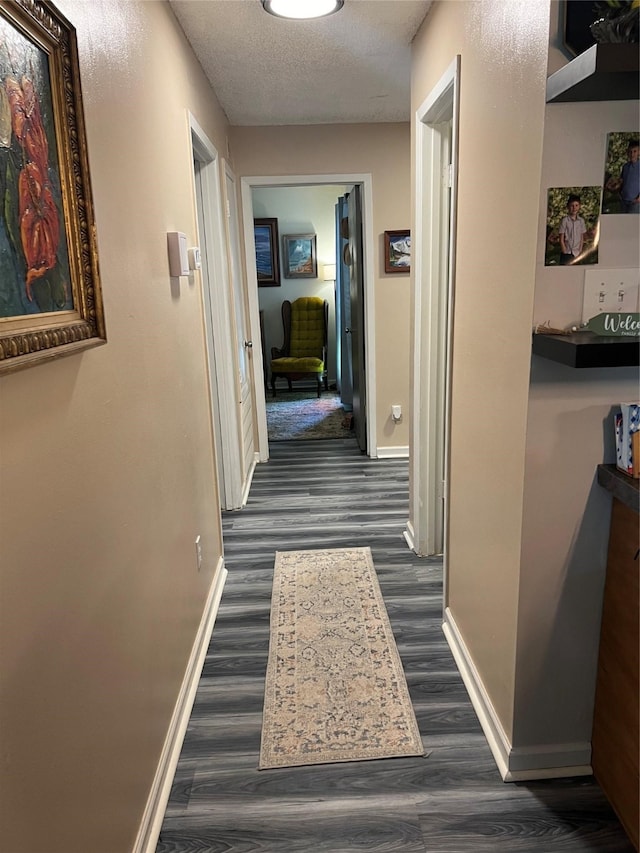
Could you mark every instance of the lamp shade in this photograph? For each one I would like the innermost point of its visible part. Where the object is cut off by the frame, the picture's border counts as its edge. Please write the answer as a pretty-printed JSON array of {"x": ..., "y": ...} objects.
[{"x": 329, "y": 272}]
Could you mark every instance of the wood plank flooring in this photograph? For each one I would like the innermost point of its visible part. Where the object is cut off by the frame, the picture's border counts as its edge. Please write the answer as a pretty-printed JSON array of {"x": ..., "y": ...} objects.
[{"x": 326, "y": 494}]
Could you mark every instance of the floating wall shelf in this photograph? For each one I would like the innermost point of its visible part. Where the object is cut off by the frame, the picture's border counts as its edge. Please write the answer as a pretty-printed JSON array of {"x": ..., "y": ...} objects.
[
  {"x": 585, "y": 349},
  {"x": 604, "y": 72}
]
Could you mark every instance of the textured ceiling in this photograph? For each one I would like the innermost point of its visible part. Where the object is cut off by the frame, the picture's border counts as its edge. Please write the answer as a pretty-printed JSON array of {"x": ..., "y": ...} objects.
[{"x": 352, "y": 66}]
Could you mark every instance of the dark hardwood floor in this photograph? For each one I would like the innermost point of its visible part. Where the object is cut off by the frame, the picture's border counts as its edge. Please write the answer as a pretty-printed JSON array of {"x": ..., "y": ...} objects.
[{"x": 325, "y": 494}]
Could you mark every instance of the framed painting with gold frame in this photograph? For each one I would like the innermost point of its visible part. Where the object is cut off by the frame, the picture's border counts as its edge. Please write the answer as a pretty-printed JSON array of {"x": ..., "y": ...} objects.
[{"x": 50, "y": 298}]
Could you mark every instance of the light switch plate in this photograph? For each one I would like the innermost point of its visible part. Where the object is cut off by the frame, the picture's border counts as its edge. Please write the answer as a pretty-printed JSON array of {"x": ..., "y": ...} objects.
[{"x": 610, "y": 291}]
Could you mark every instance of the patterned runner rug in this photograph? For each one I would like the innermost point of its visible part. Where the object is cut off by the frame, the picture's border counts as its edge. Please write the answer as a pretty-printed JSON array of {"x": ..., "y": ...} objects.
[{"x": 335, "y": 688}]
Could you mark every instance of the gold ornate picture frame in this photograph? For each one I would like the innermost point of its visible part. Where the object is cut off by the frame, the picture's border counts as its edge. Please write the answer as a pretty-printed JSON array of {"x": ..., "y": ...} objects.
[{"x": 50, "y": 298}]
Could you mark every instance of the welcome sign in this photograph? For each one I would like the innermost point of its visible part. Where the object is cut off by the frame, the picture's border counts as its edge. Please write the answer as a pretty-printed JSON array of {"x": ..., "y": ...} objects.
[{"x": 616, "y": 325}]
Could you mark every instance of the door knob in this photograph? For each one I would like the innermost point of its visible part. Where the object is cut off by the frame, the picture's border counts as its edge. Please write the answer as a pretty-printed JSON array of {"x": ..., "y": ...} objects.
[
  {"x": 248, "y": 344},
  {"x": 348, "y": 331}
]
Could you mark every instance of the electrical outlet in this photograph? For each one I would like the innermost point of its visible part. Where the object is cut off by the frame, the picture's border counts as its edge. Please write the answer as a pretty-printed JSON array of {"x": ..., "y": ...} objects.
[
  {"x": 198, "y": 552},
  {"x": 611, "y": 292}
]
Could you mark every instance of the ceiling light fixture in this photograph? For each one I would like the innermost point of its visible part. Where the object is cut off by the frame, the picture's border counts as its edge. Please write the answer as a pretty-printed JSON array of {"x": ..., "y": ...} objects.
[{"x": 302, "y": 9}]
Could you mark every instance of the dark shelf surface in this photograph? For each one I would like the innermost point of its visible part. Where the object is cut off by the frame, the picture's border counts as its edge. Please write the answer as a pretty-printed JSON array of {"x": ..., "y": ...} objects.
[
  {"x": 604, "y": 72},
  {"x": 585, "y": 349},
  {"x": 623, "y": 487}
]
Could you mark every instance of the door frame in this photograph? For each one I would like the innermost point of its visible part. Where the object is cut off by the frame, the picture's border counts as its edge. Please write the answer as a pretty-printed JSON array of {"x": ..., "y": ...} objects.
[
  {"x": 218, "y": 323},
  {"x": 434, "y": 277},
  {"x": 366, "y": 182}
]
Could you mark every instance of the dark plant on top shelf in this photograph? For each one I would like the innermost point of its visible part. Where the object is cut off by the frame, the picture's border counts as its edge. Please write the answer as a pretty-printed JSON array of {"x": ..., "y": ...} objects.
[{"x": 618, "y": 21}]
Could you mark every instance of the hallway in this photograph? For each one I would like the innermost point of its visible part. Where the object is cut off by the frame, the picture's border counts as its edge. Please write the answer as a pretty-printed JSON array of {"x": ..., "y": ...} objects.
[{"x": 326, "y": 494}]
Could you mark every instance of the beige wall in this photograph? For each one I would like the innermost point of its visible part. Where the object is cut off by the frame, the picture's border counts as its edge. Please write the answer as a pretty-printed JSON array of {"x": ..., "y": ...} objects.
[
  {"x": 503, "y": 48},
  {"x": 383, "y": 151},
  {"x": 569, "y": 432},
  {"x": 107, "y": 470}
]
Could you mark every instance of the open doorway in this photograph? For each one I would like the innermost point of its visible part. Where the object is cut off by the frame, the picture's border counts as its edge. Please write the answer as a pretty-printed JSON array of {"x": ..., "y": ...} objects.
[
  {"x": 296, "y": 265},
  {"x": 267, "y": 198},
  {"x": 327, "y": 220}
]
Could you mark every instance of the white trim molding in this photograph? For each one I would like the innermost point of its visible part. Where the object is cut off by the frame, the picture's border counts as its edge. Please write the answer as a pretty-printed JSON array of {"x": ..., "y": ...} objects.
[
  {"x": 410, "y": 536},
  {"x": 519, "y": 764},
  {"x": 247, "y": 487},
  {"x": 400, "y": 452},
  {"x": 149, "y": 831},
  {"x": 433, "y": 277}
]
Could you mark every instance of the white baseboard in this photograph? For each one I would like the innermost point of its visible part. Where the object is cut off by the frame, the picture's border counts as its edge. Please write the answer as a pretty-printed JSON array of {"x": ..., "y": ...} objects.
[
  {"x": 410, "y": 536},
  {"x": 519, "y": 764},
  {"x": 393, "y": 452},
  {"x": 247, "y": 485},
  {"x": 149, "y": 831}
]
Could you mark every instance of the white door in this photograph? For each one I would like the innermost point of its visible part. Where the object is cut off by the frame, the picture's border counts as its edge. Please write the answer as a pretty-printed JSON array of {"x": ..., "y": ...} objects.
[
  {"x": 244, "y": 344},
  {"x": 213, "y": 379},
  {"x": 218, "y": 315}
]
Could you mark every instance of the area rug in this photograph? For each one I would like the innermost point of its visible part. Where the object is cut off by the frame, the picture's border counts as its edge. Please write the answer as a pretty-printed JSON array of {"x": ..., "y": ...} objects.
[
  {"x": 300, "y": 414},
  {"x": 335, "y": 688}
]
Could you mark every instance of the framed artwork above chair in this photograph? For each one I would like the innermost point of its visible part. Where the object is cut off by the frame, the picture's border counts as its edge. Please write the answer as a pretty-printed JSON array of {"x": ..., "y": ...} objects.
[{"x": 299, "y": 256}]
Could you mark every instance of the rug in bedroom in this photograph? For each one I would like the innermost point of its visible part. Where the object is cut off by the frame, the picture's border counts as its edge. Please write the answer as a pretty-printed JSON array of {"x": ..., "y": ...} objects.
[{"x": 302, "y": 415}]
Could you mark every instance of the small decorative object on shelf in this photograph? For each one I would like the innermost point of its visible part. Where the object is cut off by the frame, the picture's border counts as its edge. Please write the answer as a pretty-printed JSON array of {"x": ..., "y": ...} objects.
[
  {"x": 547, "y": 329},
  {"x": 618, "y": 21},
  {"x": 615, "y": 325}
]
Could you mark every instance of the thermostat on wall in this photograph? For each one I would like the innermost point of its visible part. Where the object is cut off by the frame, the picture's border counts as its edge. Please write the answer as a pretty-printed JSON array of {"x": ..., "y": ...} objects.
[{"x": 178, "y": 258}]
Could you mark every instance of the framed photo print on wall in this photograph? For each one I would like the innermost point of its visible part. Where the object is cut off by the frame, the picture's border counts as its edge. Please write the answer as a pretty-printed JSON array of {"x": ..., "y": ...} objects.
[
  {"x": 397, "y": 251},
  {"x": 573, "y": 226},
  {"x": 265, "y": 233},
  {"x": 50, "y": 298},
  {"x": 300, "y": 256},
  {"x": 620, "y": 186}
]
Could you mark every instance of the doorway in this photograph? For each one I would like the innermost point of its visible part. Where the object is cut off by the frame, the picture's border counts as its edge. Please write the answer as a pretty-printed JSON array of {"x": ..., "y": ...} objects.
[
  {"x": 336, "y": 183},
  {"x": 302, "y": 217},
  {"x": 434, "y": 263}
]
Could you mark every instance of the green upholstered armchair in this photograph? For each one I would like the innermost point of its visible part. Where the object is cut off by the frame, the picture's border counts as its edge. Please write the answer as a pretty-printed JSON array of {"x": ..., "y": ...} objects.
[{"x": 304, "y": 352}]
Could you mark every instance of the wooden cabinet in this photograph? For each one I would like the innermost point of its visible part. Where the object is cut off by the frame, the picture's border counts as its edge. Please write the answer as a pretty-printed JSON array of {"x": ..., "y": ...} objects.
[{"x": 616, "y": 721}]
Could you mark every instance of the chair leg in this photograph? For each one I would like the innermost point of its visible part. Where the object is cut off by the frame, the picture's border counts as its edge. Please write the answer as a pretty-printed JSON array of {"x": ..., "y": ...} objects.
[
  {"x": 319, "y": 387},
  {"x": 273, "y": 385},
  {"x": 289, "y": 383}
]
